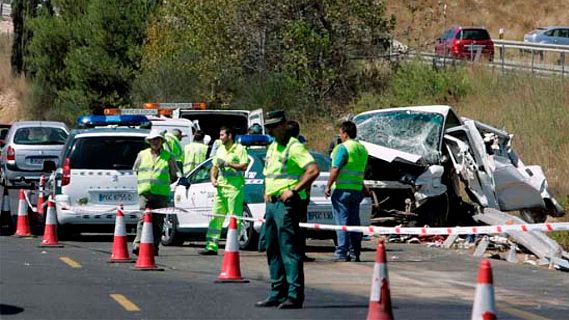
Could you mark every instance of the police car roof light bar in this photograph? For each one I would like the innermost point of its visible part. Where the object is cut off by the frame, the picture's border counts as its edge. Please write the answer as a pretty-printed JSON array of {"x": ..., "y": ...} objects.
[
  {"x": 254, "y": 139},
  {"x": 92, "y": 121}
]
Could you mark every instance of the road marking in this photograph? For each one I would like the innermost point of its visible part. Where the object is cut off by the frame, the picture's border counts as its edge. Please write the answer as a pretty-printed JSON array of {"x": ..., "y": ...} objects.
[
  {"x": 124, "y": 302},
  {"x": 519, "y": 313},
  {"x": 70, "y": 262}
]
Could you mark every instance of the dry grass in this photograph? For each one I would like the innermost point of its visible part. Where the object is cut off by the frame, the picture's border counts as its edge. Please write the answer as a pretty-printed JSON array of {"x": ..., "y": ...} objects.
[
  {"x": 13, "y": 90},
  {"x": 419, "y": 22}
]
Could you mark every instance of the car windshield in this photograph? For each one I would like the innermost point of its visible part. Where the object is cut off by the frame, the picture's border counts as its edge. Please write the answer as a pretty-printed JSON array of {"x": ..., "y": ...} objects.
[
  {"x": 106, "y": 153},
  {"x": 40, "y": 135},
  {"x": 409, "y": 131}
]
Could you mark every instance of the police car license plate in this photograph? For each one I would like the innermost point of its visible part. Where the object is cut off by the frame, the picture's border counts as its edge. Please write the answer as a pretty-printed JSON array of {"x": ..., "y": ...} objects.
[
  {"x": 326, "y": 216},
  {"x": 116, "y": 197}
]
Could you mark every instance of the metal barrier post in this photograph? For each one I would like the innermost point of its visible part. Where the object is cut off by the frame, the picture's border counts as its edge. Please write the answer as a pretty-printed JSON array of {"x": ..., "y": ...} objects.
[
  {"x": 502, "y": 54},
  {"x": 562, "y": 60}
]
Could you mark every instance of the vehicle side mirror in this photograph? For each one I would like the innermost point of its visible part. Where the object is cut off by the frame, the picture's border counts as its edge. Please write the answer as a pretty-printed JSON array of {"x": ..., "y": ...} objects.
[
  {"x": 48, "y": 166},
  {"x": 183, "y": 181}
]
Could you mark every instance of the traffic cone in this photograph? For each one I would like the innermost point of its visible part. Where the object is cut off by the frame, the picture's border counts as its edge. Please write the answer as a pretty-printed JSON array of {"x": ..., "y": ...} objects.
[
  {"x": 230, "y": 268},
  {"x": 6, "y": 224},
  {"x": 484, "y": 305},
  {"x": 40, "y": 209},
  {"x": 380, "y": 298},
  {"x": 50, "y": 231},
  {"x": 145, "y": 259},
  {"x": 120, "y": 247},
  {"x": 23, "y": 224}
]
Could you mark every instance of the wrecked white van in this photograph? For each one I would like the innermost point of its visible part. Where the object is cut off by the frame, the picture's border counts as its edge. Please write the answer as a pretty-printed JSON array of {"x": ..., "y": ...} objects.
[{"x": 428, "y": 166}]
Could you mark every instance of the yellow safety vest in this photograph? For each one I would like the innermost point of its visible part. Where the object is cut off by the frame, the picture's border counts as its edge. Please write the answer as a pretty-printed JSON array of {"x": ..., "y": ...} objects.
[
  {"x": 229, "y": 177},
  {"x": 351, "y": 175},
  {"x": 280, "y": 173},
  {"x": 154, "y": 174},
  {"x": 174, "y": 146},
  {"x": 195, "y": 153}
]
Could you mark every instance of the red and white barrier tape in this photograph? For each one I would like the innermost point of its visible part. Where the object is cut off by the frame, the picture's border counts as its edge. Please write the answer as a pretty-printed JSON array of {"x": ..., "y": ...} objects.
[{"x": 423, "y": 231}]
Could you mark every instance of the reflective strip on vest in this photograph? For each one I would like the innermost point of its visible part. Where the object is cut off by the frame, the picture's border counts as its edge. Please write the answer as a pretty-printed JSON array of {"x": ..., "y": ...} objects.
[
  {"x": 351, "y": 175},
  {"x": 277, "y": 176},
  {"x": 154, "y": 174}
]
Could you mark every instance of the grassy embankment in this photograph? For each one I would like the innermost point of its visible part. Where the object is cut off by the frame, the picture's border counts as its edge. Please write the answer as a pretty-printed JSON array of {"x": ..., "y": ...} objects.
[{"x": 12, "y": 89}]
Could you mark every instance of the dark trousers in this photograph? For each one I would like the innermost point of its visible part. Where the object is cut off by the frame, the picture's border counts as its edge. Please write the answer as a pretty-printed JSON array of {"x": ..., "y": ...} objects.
[{"x": 284, "y": 256}]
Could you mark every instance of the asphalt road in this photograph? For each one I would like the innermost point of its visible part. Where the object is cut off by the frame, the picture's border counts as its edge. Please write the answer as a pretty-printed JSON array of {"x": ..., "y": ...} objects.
[{"x": 76, "y": 282}]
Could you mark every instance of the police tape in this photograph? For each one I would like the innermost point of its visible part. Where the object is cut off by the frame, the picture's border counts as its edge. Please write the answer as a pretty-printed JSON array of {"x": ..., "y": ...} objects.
[
  {"x": 422, "y": 231},
  {"x": 370, "y": 230}
]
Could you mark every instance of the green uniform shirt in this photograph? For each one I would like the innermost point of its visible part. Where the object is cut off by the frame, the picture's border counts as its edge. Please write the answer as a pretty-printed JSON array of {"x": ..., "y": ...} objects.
[
  {"x": 229, "y": 177},
  {"x": 174, "y": 146},
  {"x": 284, "y": 167}
]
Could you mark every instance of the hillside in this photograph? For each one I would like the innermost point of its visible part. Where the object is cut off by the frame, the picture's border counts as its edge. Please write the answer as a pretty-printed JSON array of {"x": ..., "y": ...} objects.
[{"x": 420, "y": 22}]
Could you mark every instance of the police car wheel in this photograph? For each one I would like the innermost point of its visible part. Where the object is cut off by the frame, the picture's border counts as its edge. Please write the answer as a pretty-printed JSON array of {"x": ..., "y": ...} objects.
[
  {"x": 170, "y": 235},
  {"x": 248, "y": 237}
]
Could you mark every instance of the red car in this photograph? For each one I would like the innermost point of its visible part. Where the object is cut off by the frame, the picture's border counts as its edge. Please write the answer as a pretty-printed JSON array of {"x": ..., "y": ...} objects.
[{"x": 465, "y": 43}]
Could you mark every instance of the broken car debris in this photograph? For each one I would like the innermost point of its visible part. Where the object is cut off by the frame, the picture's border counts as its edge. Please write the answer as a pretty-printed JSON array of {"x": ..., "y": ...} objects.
[{"x": 427, "y": 166}]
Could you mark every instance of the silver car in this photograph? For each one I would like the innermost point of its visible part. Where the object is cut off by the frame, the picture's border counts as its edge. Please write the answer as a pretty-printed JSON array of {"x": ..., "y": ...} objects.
[
  {"x": 549, "y": 35},
  {"x": 27, "y": 145}
]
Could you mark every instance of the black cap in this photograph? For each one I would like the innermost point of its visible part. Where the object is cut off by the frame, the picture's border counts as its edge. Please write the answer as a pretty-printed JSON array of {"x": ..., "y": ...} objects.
[{"x": 274, "y": 117}]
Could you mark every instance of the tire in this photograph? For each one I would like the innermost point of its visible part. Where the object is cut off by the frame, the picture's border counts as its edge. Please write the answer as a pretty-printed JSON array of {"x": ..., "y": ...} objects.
[
  {"x": 64, "y": 232},
  {"x": 170, "y": 234},
  {"x": 247, "y": 237}
]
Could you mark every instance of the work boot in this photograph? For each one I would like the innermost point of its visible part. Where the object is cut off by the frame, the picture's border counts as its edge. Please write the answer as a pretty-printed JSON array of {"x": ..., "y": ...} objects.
[
  {"x": 267, "y": 303},
  {"x": 290, "y": 304}
]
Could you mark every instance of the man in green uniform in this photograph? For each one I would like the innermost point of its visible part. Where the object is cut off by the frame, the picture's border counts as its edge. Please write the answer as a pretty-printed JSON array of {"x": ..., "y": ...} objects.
[
  {"x": 227, "y": 175},
  {"x": 289, "y": 170},
  {"x": 155, "y": 169},
  {"x": 195, "y": 152},
  {"x": 349, "y": 161}
]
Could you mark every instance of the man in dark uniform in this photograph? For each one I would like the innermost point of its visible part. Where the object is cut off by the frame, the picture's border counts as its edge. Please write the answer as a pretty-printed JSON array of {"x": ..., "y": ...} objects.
[{"x": 289, "y": 170}]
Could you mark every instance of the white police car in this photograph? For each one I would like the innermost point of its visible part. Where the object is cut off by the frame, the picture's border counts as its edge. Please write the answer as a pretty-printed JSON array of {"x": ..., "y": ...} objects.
[
  {"x": 96, "y": 174},
  {"x": 195, "y": 193}
]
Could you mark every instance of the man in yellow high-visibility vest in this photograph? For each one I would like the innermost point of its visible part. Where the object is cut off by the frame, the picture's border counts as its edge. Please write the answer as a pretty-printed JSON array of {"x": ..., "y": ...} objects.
[
  {"x": 155, "y": 169},
  {"x": 289, "y": 170},
  {"x": 227, "y": 175},
  {"x": 349, "y": 161},
  {"x": 195, "y": 152}
]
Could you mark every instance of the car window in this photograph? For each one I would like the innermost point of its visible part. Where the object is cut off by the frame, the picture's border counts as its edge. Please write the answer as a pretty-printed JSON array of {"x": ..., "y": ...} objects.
[
  {"x": 563, "y": 33},
  {"x": 40, "y": 135},
  {"x": 475, "y": 34},
  {"x": 322, "y": 161},
  {"x": 3, "y": 132},
  {"x": 106, "y": 153},
  {"x": 549, "y": 33},
  {"x": 201, "y": 174}
]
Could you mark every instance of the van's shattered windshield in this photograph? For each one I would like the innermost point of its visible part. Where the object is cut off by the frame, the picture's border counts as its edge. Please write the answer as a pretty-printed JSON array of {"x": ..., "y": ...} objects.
[{"x": 409, "y": 131}]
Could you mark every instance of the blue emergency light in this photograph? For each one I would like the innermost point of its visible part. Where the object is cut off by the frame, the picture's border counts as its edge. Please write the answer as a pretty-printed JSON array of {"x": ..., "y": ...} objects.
[
  {"x": 92, "y": 121},
  {"x": 254, "y": 139}
]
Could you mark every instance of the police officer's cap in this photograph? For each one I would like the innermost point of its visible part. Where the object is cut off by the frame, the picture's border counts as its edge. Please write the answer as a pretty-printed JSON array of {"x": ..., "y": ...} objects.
[{"x": 274, "y": 117}]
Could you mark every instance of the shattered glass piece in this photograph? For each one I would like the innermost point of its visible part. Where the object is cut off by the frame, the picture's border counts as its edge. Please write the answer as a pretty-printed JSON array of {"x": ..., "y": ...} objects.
[{"x": 410, "y": 131}]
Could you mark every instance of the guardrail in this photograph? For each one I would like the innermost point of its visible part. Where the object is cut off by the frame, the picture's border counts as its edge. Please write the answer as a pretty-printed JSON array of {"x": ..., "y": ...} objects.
[{"x": 538, "y": 58}]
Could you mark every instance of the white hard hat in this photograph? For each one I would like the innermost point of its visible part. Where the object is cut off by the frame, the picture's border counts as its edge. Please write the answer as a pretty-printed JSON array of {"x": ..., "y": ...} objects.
[{"x": 154, "y": 133}]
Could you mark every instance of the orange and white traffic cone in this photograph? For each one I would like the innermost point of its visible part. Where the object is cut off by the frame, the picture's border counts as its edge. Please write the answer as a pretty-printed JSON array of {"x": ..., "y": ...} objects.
[
  {"x": 50, "y": 231},
  {"x": 120, "y": 247},
  {"x": 230, "y": 268},
  {"x": 23, "y": 224},
  {"x": 380, "y": 297},
  {"x": 145, "y": 259},
  {"x": 6, "y": 224},
  {"x": 40, "y": 208},
  {"x": 484, "y": 307}
]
